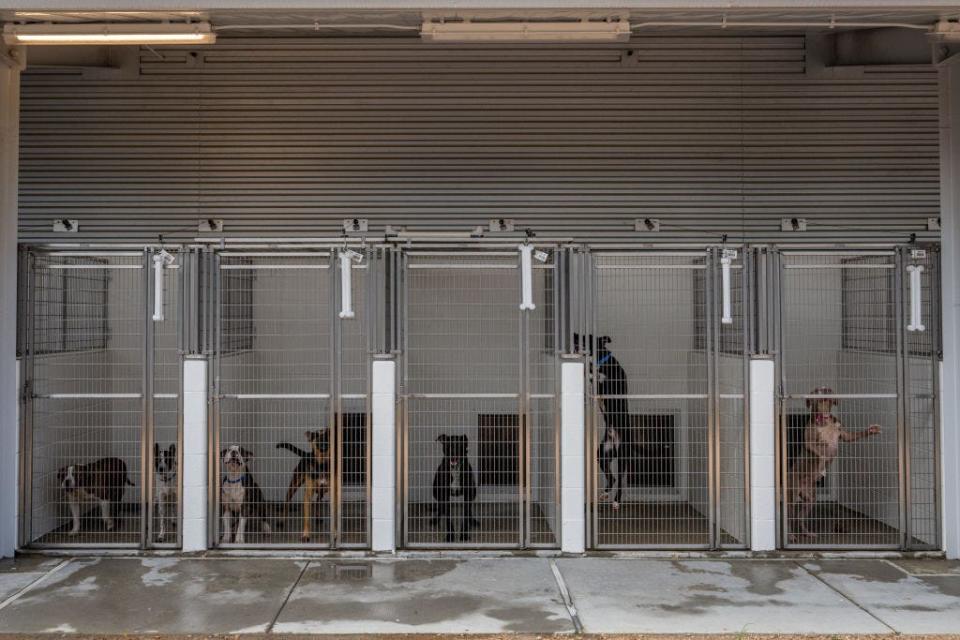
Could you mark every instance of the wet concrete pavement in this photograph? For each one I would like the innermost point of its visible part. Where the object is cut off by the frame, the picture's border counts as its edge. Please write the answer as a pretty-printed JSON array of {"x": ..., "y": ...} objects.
[{"x": 169, "y": 595}]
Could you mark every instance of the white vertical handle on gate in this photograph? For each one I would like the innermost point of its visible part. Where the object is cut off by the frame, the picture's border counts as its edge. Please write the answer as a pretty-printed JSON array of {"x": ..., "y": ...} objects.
[
  {"x": 526, "y": 277},
  {"x": 916, "y": 299},
  {"x": 726, "y": 259},
  {"x": 347, "y": 258},
  {"x": 160, "y": 261}
]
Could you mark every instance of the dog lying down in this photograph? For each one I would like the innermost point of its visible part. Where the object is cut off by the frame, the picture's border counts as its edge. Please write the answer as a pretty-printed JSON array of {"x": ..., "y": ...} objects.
[
  {"x": 821, "y": 444},
  {"x": 103, "y": 480}
]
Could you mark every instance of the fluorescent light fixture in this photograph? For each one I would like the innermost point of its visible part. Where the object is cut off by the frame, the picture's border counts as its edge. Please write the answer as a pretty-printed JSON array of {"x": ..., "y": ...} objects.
[
  {"x": 581, "y": 31},
  {"x": 109, "y": 33}
]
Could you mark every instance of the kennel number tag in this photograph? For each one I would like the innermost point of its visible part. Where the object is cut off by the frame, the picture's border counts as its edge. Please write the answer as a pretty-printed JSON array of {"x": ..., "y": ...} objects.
[
  {"x": 730, "y": 254},
  {"x": 540, "y": 256},
  {"x": 918, "y": 254}
]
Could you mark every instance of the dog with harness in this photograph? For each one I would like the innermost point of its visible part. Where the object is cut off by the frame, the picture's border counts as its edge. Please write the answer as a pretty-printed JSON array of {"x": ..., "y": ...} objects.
[{"x": 612, "y": 389}]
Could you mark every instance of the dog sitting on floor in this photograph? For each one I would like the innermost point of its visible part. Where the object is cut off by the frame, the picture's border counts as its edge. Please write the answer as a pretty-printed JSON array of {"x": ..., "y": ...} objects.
[
  {"x": 611, "y": 379},
  {"x": 103, "y": 480},
  {"x": 240, "y": 495},
  {"x": 821, "y": 445},
  {"x": 164, "y": 489},
  {"x": 312, "y": 472},
  {"x": 455, "y": 478}
]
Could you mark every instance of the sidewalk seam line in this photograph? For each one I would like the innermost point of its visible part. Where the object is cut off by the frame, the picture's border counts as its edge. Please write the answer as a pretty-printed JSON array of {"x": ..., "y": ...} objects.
[
  {"x": 32, "y": 584},
  {"x": 567, "y": 598},
  {"x": 283, "y": 605},
  {"x": 848, "y": 598}
]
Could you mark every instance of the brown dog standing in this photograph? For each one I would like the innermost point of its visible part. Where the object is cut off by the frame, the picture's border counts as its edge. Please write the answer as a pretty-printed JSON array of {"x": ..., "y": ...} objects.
[
  {"x": 312, "y": 472},
  {"x": 821, "y": 445}
]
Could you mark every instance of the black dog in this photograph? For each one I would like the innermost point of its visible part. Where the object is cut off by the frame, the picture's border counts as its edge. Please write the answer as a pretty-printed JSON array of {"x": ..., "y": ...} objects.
[
  {"x": 454, "y": 478},
  {"x": 611, "y": 381}
]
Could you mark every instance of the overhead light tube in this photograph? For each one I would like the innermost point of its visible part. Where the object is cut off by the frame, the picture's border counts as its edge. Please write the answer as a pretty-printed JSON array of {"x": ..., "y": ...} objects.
[{"x": 108, "y": 33}]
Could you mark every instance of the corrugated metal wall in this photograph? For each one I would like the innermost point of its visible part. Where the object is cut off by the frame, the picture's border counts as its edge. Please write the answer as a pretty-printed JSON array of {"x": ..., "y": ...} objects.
[{"x": 710, "y": 134}]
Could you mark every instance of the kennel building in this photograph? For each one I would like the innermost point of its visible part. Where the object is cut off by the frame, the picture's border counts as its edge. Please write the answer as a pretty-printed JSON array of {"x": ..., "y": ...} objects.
[{"x": 479, "y": 217}]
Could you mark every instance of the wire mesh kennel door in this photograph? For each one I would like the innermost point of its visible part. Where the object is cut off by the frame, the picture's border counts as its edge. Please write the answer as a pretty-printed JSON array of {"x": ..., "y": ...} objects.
[
  {"x": 480, "y": 429},
  {"x": 858, "y": 399},
  {"x": 291, "y": 408},
  {"x": 667, "y": 374},
  {"x": 101, "y": 386}
]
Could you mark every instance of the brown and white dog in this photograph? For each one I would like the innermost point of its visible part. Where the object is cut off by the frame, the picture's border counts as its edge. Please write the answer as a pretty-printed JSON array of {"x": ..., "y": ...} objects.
[
  {"x": 240, "y": 495},
  {"x": 821, "y": 444},
  {"x": 103, "y": 480}
]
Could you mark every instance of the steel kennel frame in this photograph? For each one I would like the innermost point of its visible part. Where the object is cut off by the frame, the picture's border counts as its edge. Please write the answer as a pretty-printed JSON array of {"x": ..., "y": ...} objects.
[
  {"x": 857, "y": 334},
  {"x": 291, "y": 393},
  {"x": 100, "y": 347},
  {"x": 667, "y": 346},
  {"x": 480, "y": 428}
]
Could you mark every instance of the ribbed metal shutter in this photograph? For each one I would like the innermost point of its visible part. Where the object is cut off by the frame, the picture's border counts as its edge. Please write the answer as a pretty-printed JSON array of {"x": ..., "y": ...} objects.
[{"x": 709, "y": 134}]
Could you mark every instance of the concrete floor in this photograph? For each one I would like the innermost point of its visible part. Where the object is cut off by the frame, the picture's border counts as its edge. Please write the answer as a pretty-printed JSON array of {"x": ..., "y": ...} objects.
[{"x": 457, "y": 594}]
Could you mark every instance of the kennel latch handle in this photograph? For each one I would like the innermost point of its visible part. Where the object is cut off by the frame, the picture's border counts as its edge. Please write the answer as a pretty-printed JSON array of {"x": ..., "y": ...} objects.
[
  {"x": 347, "y": 258},
  {"x": 726, "y": 259},
  {"x": 916, "y": 298},
  {"x": 526, "y": 277},
  {"x": 160, "y": 261}
]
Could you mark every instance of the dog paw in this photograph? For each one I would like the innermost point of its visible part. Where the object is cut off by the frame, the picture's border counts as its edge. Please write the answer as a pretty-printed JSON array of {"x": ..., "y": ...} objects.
[
  {"x": 604, "y": 496},
  {"x": 616, "y": 506},
  {"x": 73, "y": 533}
]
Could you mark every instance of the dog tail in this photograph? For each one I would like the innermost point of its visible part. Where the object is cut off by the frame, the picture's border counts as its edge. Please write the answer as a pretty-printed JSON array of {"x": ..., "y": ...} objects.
[
  {"x": 126, "y": 480},
  {"x": 297, "y": 450}
]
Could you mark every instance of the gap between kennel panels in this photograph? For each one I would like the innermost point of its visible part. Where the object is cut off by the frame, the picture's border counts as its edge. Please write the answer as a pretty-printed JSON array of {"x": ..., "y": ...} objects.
[
  {"x": 474, "y": 364},
  {"x": 685, "y": 450},
  {"x": 847, "y": 325},
  {"x": 90, "y": 344},
  {"x": 290, "y": 360}
]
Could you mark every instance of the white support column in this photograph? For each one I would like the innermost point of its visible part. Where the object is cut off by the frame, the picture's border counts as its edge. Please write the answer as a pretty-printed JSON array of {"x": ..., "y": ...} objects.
[
  {"x": 195, "y": 454},
  {"x": 572, "y": 459},
  {"x": 9, "y": 429},
  {"x": 950, "y": 221},
  {"x": 763, "y": 459},
  {"x": 384, "y": 462}
]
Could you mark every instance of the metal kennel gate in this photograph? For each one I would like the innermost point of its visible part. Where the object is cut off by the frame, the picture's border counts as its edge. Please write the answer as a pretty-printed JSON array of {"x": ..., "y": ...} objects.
[
  {"x": 291, "y": 376},
  {"x": 858, "y": 348},
  {"x": 100, "y": 343},
  {"x": 479, "y": 398},
  {"x": 665, "y": 335}
]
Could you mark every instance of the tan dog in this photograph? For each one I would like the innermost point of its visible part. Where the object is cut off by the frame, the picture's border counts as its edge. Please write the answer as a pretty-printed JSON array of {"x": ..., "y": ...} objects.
[
  {"x": 821, "y": 445},
  {"x": 312, "y": 472}
]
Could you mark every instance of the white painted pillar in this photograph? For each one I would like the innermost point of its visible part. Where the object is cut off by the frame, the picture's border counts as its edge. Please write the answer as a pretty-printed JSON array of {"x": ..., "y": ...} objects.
[
  {"x": 763, "y": 458},
  {"x": 384, "y": 460},
  {"x": 195, "y": 454},
  {"x": 950, "y": 221},
  {"x": 572, "y": 459},
  {"x": 9, "y": 429}
]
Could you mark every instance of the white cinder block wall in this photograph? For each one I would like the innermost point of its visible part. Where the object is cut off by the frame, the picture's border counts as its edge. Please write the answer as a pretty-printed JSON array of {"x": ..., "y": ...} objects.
[
  {"x": 763, "y": 464},
  {"x": 195, "y": 448}
]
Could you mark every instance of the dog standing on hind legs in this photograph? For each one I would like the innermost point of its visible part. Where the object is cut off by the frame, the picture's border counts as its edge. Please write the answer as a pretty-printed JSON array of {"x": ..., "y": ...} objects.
[
  {"x": 821, "y": 445},
  {"x": 614, "y": 407},
  {"x": 312, "y": 472},
  {"x": 455, "y": 478}
]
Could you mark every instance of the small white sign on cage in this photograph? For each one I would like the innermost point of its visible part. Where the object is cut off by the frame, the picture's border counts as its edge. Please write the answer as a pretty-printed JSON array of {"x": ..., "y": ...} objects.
[
  {"x": 526, "y": 277},
  {"x": 160, "y": 262},
  {"x": 726, "y": 259},
  {"x": 347, "y": 258},
  {"x": 540, "y": 256}
]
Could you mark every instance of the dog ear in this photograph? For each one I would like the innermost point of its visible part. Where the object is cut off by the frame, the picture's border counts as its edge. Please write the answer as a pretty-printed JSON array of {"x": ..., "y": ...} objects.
[
  {"x": 156, "y": 450},
  {"x": 442, "y": 437},
  {"x": 603, "y": 341},
  {"x": 247, "y": 455},
  {"x": 173, "y": 449}
]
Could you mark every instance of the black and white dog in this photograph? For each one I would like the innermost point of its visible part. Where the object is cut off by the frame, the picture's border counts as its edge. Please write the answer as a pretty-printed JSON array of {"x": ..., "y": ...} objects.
[
  {"x": 455, "y": 478},
  {"x": 612, "y": 387},
  {"x": 240, "y": 495},
  {"x": 164, "y": 489}
]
